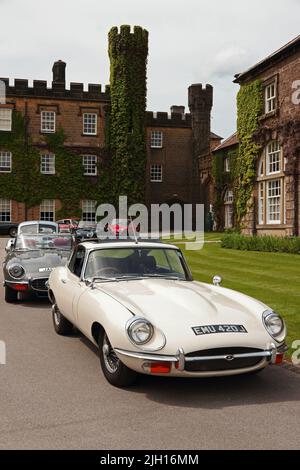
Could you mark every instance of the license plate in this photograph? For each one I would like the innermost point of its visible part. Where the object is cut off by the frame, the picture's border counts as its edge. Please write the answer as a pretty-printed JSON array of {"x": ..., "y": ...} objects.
[
  {"x": 45, "y": 270},
  {"x": 215, "y": 329}
]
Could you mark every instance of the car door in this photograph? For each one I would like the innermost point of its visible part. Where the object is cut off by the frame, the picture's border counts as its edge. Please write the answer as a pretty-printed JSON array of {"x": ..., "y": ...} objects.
[{"x": 72, "y": 286}]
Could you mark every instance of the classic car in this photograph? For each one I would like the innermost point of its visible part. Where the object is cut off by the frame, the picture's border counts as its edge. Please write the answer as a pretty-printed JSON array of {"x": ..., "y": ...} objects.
[
  {"x": 138, "y": 303},
  {"x": 85, "y": 230},
  {"x": 37, "y": 226},
  {"x": 30, "y": 260},
  {"x": 67, "y": 225},
  {"x": 121, "y": 227},
  {"x": 8, "y": 228}
]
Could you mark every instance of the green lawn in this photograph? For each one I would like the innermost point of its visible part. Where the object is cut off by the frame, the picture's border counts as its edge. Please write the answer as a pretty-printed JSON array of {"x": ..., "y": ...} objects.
[{"x": 273, "y": 278}]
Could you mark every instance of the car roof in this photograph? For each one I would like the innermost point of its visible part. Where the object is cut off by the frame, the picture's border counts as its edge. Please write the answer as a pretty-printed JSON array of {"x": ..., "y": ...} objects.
[
  {"x": 96, "y": 244},
  {"x": 37, "y": 222}
]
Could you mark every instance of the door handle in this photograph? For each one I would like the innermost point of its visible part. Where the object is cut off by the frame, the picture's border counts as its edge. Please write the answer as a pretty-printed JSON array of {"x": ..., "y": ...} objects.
[{"x": 64, "y": 281}]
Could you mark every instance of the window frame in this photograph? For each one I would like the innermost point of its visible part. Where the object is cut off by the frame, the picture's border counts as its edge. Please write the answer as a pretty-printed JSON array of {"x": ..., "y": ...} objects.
[
  {"x": 88, "y": 219},
  {"x": 47, "y": 121},
  {"x": 6, "y": 154},
  {"x": 272, "y": 98},
  {"x": 90, "y": 165},
  {"x": 153, "y": 178},
  {"x": 5, "y": 219},
  {"x": 47, "y": 219},
  {"x": 84, "y": 124},
  {"x": 155, "y": 142},
  {"x": 3, "y": 119},
  {"x": 50, "y": 164}
]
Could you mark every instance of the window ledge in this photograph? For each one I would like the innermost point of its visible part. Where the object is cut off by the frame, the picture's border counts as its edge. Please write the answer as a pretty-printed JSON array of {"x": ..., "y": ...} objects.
[{"x": 269, "y": 115}]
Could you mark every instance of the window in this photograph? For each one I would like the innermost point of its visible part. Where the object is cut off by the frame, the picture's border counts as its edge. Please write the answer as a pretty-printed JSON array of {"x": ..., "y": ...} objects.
[
  {"x": 5, "y": 119},
  {"x": 156, "y": 139},
  {"x": 48, "y": 164},
  {"x": 270, "y": 194},
  {"x": 273, "y": 158},
  {"x": 270, "y": 98},
  {"x": 77, "y": 261},
  {"x": 156, "y": 173},
  {"x": 228, "y": 202},
  {"x": 48, "y": 121},
  {"x": 261, "y": 203},
  {"x": 89, "y": 211},
  {"x": 90, "y": 164},
  {"x": 5, "y": 162},
  {"x": 274, "y": 201},
  {"x": 47, "y": 210},
  {"x": 227, "y": 165},
  {"x": 5, "y": 210},
  {"x": 90, "y": 123}
]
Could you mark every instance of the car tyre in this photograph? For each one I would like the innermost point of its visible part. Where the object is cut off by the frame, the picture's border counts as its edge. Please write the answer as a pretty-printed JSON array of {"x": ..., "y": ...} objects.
[
  {"x": 11, "y": 295},
  {"x": 115, "y": 372},
  {"x": 13, "y": 232},
  {"x": 61, "y": 325}
]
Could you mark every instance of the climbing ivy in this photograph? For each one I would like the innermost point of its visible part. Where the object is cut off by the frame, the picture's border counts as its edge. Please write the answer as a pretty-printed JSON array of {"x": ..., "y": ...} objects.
[
  {"x": 223, "y": 179},
  {"x": 127, "y": 133},
  {"x": 250, "y": 106},
  {"x": 69, "y": 185}
]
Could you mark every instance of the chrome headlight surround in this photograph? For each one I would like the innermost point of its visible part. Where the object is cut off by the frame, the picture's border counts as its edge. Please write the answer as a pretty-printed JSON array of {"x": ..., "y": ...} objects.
[
  {"x": 90, "y": 234},
  {"x": 16, "y": 271},
  {"x": 140, "y": 331},
  {"x": 274, "y": 325}
]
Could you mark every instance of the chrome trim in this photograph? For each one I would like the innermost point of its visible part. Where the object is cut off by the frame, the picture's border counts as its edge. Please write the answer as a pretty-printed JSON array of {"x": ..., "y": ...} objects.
[
  {"x": 19, "y": 266},
  {"x": 15, "y": 282},
  {"x": 141, "y": 346},
  {"x": 148, "y": 357},
  {"x": 182, "y": 359}
]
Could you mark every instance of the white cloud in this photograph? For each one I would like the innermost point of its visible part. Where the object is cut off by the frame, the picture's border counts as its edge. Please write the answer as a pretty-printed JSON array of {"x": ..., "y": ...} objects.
[{"x": 191, "y": 41}]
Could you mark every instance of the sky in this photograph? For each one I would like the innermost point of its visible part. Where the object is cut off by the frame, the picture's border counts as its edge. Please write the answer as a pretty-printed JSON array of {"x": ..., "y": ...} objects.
[{"x": 190, "y": 41}]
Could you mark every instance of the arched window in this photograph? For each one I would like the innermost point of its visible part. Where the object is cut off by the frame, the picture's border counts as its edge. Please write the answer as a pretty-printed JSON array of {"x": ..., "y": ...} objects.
[
  {"x": 228, "y": 203},
  {"x": 271, "y": 186}
]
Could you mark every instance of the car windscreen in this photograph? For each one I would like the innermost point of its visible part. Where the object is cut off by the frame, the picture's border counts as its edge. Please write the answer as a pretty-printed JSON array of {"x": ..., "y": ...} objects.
[
  {"x": 135, "y": 262},
  {"x": 38, "y": 228},
  {"x": 86, "y": 225},
  {"x": 46, "y": 241}
]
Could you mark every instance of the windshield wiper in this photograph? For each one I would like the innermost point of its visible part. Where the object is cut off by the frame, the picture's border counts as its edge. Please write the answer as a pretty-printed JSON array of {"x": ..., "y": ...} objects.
[{"x": 163, "y": 276}]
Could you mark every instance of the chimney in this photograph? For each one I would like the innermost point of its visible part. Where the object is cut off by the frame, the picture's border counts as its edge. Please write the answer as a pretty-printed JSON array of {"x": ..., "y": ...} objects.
[
  {"x": 59, "y": 73},
  {"x": 177, "y": 110}
]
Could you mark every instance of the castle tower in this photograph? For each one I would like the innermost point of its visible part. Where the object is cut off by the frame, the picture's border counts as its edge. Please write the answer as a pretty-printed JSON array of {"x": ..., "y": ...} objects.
[
  {"x": 128, "y": 53},
  {"x": 200, "y": 104}
]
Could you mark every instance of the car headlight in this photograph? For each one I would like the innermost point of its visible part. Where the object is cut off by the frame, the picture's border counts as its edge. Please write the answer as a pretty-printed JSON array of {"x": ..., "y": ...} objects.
[
  {"x": 274, "y": 325},
  {"x": 140, "y": 331},
  {"x": 16, "y": 271},
  {"x": 90, "y": 234}
]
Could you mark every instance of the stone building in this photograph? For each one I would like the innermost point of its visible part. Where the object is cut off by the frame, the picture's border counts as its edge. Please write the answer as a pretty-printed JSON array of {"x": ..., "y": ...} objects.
[
  {"x": 275, "y": 208},
  {"x": 178, "y": 144}
]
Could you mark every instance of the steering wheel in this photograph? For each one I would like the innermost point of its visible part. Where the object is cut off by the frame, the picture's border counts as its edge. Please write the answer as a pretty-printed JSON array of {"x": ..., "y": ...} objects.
[{"x": 106, "y": 272}]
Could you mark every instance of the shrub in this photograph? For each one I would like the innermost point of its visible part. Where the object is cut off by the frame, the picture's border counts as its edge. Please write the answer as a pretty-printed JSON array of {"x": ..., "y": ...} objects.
[{"x": 265, "y": 243}]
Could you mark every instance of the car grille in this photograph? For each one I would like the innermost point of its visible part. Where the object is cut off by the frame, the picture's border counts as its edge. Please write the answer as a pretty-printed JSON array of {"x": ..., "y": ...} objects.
[
  {"x": 39, "y": 284},
  {"x": 216, "y": 365}
]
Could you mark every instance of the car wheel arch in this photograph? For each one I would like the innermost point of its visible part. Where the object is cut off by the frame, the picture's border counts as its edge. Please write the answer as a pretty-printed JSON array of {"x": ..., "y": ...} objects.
[{"x": 96, "y": 329}]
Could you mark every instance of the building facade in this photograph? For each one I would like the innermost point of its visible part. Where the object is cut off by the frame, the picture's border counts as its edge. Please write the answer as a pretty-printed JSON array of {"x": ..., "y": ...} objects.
[
  {"x": 178, "y": 147},
  {"x": 275, "y": 199}
]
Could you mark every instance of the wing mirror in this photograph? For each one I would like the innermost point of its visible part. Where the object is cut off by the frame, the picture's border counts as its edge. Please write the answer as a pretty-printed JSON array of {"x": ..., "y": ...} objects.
[
  {"x": 9, "y": 245},
  {"x": 217, "y": 280}
]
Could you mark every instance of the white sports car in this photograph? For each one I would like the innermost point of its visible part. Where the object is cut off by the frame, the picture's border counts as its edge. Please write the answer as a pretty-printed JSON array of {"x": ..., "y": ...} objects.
[{"x": 138, "y": 302}]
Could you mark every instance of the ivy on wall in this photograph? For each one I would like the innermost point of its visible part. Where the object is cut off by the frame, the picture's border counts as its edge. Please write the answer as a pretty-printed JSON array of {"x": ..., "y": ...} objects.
[
  {"x": 26, "y": 183},
  {"x": 223, "y": 179},
  {"x": 249, "y": 107},
  {"x": 127, "y": 133}
]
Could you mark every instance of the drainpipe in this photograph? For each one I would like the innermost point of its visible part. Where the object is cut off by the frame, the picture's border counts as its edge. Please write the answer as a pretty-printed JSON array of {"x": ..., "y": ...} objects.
[{"x": 26, "y": 145}]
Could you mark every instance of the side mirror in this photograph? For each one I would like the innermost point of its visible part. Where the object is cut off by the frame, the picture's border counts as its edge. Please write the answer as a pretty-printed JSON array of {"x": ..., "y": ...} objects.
[
  {"x": 217, "y": 280},
  {"x": 9, "y": 245}
]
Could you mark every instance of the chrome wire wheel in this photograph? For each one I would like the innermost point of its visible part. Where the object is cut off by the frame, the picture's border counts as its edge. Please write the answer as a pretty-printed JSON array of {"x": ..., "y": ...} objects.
[{"x": 111, "y": 360}]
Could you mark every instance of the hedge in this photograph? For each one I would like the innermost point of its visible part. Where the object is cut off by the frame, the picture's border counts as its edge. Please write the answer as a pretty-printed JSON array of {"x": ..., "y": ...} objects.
[{"x": 264, "y": 243}]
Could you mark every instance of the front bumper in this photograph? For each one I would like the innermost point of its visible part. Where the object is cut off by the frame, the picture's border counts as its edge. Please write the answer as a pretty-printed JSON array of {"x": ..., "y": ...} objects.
[
  {"x": 36, "y": 285},
  {"x": 179, "y": 363}
]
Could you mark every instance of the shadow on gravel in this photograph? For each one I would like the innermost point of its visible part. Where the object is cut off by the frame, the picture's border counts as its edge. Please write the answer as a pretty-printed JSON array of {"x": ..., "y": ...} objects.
[{"x": 272, "y": 385}]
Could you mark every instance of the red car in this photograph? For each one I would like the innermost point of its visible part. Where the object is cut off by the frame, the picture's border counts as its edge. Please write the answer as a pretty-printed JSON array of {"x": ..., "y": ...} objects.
[
  {"x": 122, "y": 227},
  {"x": 68, "y": 225}
]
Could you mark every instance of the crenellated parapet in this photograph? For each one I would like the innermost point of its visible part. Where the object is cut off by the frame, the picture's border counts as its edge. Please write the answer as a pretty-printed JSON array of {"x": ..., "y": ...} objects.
[
  {"x": 163, "y": 119},
  {"x": 58, "y": 90}
]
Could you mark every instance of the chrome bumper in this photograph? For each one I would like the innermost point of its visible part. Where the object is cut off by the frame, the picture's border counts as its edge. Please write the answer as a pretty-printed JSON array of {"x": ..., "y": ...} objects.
[{"x": 181, "y": 359}]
